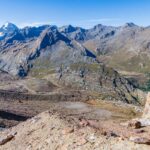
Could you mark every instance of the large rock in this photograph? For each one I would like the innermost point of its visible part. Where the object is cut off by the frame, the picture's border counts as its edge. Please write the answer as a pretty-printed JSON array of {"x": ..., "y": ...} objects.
[
  {"x": 145, "y": 119},
  {"x": 146, "y": 112},
  {"x": 140, "y": 140}
]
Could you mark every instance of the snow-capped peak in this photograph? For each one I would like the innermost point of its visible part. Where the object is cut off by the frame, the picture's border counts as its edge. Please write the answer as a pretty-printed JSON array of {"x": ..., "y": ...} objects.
[
  {"x": 6, "y": 25},
  {"x": 9, "y": 27}
]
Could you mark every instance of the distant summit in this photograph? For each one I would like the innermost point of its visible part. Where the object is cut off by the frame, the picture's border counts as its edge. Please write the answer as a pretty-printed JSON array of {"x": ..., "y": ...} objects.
[
  {"x": 130, "y": 24},
  {"x": 9, "y": 27},
  {"x": 67, "y": 29}
]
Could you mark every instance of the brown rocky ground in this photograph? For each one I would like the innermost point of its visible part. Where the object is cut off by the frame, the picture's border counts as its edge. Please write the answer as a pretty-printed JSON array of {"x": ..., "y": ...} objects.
[
  {"x": 13, "y": 112},
  {"x": 50, "y": 131},
  {"x": 71, "y": 125}
]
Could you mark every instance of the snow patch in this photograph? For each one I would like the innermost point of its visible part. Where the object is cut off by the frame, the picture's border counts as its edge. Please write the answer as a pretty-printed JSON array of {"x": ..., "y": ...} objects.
[{"x": 6, "y": 25}]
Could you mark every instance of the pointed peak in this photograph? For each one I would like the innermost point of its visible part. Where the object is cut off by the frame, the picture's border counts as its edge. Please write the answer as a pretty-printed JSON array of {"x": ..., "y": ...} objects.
[
  {"x": 8, "y": 26},
  {"x": 68, "y": 28},
  {"x": 130, "y": 24},
  {"x": 98, "y": 26}
]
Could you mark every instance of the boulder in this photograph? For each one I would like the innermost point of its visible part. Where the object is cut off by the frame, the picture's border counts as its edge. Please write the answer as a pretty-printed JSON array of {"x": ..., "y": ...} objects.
[
  {"x": 146, "y": 112},
  {"x": 9, "y": 137},
  {"x": 145, "y": 119},
  {"x": 140, "y": 140},
  {"x": 134, "y": 124}
]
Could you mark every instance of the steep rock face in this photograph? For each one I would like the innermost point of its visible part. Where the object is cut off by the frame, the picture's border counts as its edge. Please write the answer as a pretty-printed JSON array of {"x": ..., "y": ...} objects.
[
  {"x": 98, "y": 32},
  {"x": 50, "y": 37},
  {"x": 33, "y": 32},
  {"x": 74, "y": 33}
]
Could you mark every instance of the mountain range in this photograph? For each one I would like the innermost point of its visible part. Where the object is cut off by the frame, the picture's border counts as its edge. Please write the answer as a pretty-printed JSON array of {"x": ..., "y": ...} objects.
[
  {"x": 76, "y": 57},
  {"x": 123, "y": 48}
]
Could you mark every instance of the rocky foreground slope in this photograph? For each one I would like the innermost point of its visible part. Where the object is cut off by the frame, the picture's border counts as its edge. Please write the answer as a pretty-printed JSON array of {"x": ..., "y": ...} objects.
[
  {"x": 49, "y": 131},
  {"x": 72, "y": 129}
]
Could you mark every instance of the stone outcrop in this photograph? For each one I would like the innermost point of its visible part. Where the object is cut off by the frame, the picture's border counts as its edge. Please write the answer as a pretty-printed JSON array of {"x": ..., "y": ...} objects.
[
  {"x": 7, "y": 138},
  {"x": 144, "y": 120},
  {"x": 146, "y": 112}
]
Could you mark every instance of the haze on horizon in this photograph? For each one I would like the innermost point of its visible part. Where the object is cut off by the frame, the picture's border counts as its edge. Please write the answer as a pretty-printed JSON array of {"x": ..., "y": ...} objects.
[{"x": 84, "y": 13}]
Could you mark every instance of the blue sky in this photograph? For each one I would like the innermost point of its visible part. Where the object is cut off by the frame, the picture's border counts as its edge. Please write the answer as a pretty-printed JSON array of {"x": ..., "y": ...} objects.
[{"x": 85, "y": 13}]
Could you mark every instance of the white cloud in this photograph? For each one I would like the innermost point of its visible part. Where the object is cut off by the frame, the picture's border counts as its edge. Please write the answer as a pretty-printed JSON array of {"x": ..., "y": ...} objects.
[
  {"x": 35, "y": 24},
  {"x": 83, "y": 23}
]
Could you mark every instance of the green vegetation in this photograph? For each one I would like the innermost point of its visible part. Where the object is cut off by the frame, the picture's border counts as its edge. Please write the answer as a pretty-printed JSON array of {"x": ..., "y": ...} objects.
[
  {"x": 91, "y": 67},
  {"x": 124, "y": 111},
  {"x": 145, "y": 86},
  {"x": 41, "y": 68},
  {"x": 123, "y": 61},
  {"x": 41, "y": 72}
]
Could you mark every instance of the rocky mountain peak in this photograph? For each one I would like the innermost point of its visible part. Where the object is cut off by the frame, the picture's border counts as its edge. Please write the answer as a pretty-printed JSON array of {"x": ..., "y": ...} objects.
[
  {"x": 130, "y": 24},
  {"x": 99, "y": 26},
  {"x": 67, "y": 29},
  {"x": 9, "y": 27},
  {"x": 51, "y": 36}
]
